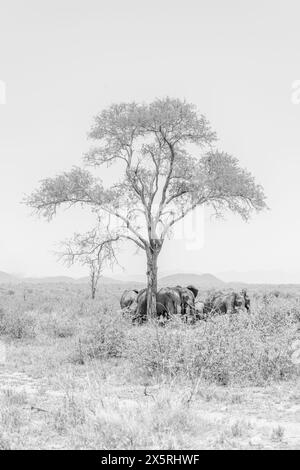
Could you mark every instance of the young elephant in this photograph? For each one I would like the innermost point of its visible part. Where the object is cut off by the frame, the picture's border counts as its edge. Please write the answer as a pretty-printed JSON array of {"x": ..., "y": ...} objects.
[{"x": 199, "y": 310}]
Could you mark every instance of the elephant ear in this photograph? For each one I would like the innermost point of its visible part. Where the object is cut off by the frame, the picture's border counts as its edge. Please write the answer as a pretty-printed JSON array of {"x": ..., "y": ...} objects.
[{"x": 194, "y": 290}]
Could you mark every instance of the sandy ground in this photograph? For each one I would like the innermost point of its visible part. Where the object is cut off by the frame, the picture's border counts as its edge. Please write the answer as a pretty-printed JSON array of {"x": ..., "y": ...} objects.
[{"x": 224, "y": 418}]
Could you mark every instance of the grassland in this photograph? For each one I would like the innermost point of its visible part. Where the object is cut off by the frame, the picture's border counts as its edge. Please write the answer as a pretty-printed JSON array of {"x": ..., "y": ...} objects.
[{"x": 77, "y": 374}]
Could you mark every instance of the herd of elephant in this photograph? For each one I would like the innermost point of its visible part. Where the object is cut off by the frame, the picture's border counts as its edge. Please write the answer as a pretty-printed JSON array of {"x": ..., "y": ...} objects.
[{"x": 183, "y": 301}]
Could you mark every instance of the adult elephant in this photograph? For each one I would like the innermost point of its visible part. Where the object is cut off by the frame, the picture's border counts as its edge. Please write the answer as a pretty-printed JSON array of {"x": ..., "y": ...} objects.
[
  {"x": 187, "y": 299},
  {"x": 141, "y": 310},
  {"x": 220, "y": 303},
  {"x": 128, "y": 298},
  {"x": 128, "y": 302},
  {"x": 168, "y": 302}
]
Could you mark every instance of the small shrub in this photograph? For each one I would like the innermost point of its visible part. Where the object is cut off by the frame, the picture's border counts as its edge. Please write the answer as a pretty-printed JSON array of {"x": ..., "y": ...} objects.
[
  {"x": 101, "y": 336},
  {"x": 239, "y": 429},
  {"x": 12, "y": 417},
  {"x": 58, "y": 326},
  {"x": 17, "y": 323},
  {"x": 69, "y": 415},
  {"x": 12, "y": 398},
  {"x": 277, "y": 434},
  {"x": 4, "y": 442}
]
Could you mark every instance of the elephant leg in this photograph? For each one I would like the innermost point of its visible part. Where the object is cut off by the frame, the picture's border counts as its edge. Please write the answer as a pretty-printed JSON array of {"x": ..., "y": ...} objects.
[
  {"x": 170, "y": 308},
  {"x": 177, "y": 308},
  {"x": 184, "y": 310}
]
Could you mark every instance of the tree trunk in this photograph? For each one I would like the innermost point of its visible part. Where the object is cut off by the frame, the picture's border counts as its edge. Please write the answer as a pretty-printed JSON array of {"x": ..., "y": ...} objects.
[
  {"x": 93, "y": 283},
  {"x": 95, "y": 272},
  {"x": 152, "y": 255},
  {"x": 93, "y": 292}
]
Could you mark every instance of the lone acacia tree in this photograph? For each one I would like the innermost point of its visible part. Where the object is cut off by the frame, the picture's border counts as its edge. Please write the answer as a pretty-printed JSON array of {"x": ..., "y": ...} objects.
[
  {"x": 170, "y": 165},
  {"x": 95, "y": 249}
]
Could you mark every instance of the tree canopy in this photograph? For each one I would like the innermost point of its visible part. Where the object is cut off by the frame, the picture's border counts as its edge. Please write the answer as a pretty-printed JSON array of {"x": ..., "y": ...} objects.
[{"x": 162, "y": 178}]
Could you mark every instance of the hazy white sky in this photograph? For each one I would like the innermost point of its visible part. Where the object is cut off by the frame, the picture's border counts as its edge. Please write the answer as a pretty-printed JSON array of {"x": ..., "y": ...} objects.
[{"x": 63, "y": 61}]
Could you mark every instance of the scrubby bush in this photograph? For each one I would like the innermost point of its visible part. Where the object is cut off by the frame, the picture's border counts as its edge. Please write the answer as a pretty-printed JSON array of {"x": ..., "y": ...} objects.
[
  {"x": 17, "y": 322},
  {"x": 226, "y": 349},
  {"x": 4, "y": 442},
  {"x": 160, "y": 351},
  {"x": 101, "y": 335},
  {"x": 59, "y": 326}
]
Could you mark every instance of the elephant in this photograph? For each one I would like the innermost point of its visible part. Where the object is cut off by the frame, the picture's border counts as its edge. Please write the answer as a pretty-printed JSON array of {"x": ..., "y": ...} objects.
[
  {"x": 199, "y": 310},
  {"x": 128, "y": 301},
  {"x": 187, "y": 296},
  {"x": 193, "y": 289},
  {"x": 128, "y": 298},
  {"x": 177, "y": 300},
  {"x": 168, "y": 302},
  {"x": 141, "y": 310},
  {"x": 222, "y": 303}
]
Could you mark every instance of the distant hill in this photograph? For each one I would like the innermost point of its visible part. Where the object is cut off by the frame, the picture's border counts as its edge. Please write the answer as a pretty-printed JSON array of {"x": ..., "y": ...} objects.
[
  {"x": 103, "y": 280},
  {"x": 66, "y": 279},
  {"x": 47, "y": 280},
  {"x": 9, "y": 278},
  {"x": 203, "y": 281},
  {"x": 206, "y": 281},
  {"x": 261, "y": 276}
]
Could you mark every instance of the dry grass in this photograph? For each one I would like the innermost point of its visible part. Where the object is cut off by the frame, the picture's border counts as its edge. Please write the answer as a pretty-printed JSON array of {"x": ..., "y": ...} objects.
[{"x": 87, "y": 378}]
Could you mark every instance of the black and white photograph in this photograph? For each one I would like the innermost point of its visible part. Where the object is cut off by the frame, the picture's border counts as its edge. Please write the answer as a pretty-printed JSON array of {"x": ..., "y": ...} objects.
[{"x": 150, "y": 227}]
